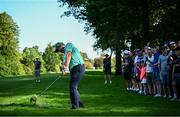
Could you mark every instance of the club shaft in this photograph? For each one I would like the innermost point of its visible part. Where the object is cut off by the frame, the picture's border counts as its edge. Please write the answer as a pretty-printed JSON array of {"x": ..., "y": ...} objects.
[{"x": 48, "y": 86}]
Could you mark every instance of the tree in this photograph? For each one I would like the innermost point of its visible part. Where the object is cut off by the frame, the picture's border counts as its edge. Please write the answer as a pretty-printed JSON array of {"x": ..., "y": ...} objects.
[
  {"x": 28, "y": 56},
  {"x": 109, "y": 21},
  {"x": 113, "y": 21},
  {"x": 9, "y": 55},
  {"x": 52, "y": 60},
  {"x": 84, "y": 56},
  {"x": 98, "y": 62}
]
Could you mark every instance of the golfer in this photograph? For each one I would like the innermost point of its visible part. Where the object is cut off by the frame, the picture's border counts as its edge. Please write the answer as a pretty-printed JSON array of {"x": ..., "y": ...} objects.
[{"x": 73, "y": 60}]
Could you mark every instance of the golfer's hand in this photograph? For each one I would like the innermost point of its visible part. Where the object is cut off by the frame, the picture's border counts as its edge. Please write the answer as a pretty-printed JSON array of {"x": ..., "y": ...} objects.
[{"x": 64, "y": 70}]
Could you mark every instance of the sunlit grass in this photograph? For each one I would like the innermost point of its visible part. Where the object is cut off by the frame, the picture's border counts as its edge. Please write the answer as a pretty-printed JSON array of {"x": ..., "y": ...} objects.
[{"x": 99, "y": 99}]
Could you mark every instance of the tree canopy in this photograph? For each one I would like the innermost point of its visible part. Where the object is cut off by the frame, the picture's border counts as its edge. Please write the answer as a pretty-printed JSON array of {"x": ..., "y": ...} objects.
[
  {"x": 9, "y": 53},
  {"x": 115, "y": 21}
]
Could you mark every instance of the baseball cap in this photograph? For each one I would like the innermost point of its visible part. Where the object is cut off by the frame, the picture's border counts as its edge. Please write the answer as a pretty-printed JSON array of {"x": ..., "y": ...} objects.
[
  {"x": 106, "y": 55},
  {"x": 149, "y": 48},
  {"x": 172, "y": 42},
  {"x": 57, "y": 45},
  {"x": 126, "y": 52}
]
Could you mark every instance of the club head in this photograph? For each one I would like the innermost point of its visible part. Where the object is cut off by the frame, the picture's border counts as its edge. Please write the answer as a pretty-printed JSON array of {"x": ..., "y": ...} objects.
[{"x": 33, "y": 99}]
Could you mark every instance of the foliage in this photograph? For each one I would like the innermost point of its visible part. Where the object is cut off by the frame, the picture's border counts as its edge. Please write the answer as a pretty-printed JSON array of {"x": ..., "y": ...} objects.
[
  {"x": 28, "y": 56},
  {"x": 52, "y": 59},
  {"x": 9, "y": 55},
  {"x": 84, "y": 56},
  {"x": 98, "y": 62},
  {"x": 114, "y": 21},
  {"x": 88, "y": 64}
]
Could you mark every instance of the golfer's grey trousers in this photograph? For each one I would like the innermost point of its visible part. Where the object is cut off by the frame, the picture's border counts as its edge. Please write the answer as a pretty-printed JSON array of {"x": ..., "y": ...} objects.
[{"x": 76, "y": 75}]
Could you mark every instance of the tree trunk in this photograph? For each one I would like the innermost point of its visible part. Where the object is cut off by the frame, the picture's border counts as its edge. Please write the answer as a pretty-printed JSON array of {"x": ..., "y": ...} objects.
[
  {"x": 145, "y": 15},
  {"x": 178, "y": 19},
  {"x": 118, "y": 54}
]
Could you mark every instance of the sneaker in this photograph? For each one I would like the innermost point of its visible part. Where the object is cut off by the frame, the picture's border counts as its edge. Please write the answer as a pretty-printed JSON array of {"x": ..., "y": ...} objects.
[
  {"x": 174, "y": 99},
  {"x": 164, "y": 96},
  {"x": 134, "y": 89},
  {"x": 145, "y": 93},
  {"x": 137, "y": 89},
  {"x": 127, "y": 89},
  {"x": 140, "y": 92},
  {"x": 110, "y": 82},
  {"x": 169, "y": 96},
  {"x": 157, "y": 95},
  {"x": 105, "y": 82}
]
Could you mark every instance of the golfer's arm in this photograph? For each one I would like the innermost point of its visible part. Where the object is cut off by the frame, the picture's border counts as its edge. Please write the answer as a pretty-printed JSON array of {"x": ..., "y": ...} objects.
[{"x": 68, "y": 59}]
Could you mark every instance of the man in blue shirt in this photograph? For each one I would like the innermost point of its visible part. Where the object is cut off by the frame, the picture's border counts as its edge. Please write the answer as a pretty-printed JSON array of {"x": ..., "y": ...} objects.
[{"x": 73, "y": 60}]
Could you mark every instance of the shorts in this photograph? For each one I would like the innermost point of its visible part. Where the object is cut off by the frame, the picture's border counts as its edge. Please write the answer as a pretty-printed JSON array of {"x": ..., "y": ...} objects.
[
  {"x": 127, "y": 76},
  {"x": 143, "y": 81},
  {"x": 149, "y": 77},
  {"x": 107, "y": 71},
  {"x": 156, "y": 76},
  {"x": 176, "y": 77},
  {"x": 37, "y": 72},
  {"x": 164, "y": 78}
]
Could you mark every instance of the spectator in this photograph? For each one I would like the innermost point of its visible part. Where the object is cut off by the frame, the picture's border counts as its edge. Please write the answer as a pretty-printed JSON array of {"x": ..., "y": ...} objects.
[
  {"x": 156, "y": 72},
  {"x": 143, "y": 86},
  {"x": 136, "y": 75},
  {"x": 107, "y": 68},
  {"x": 163, "y": 66},
  {"x": 149, "y": 71},
  {"x": 37, "y": 69},
  {"x": 176, "y": 73},
  {"x": 172, "y": 56},
  {"x": 128, "y": 65}
]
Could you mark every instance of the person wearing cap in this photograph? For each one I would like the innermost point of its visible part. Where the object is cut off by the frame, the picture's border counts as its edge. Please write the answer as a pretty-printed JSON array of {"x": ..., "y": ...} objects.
[
  {"x": 149, "y": 71},
  {"x": 172, "y": 56},
  {"x": 176, "y": 74},
  {"x": 74, "y": 61},
  {"x": 163, "y": 68},
  {"x": 156, "y": 71},
  {"x": 37, "y": 69},
  {"x": 127, "y": 66},
  {"x": 136, "y": 80},
  {"x": 107, "y": 68}
]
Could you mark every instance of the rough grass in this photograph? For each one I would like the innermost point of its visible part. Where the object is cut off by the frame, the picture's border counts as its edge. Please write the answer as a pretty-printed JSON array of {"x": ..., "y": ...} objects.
[{"x": 99, "y": 99}]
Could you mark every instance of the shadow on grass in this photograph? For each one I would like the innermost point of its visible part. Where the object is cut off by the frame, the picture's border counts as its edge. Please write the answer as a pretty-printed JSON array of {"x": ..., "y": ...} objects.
[
  {"x": 94, "y": 73},
  {"x": 99, "y": 99},
  {"x": 21, "y": 105}
]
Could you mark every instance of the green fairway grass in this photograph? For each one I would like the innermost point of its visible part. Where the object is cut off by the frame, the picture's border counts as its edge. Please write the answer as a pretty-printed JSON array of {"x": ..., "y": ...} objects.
[{"x": 99, "y": 99}]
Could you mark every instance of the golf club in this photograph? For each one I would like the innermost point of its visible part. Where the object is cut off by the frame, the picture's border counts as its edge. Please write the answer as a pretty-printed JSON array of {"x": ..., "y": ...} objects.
[{"x": 33, "y": 99}]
